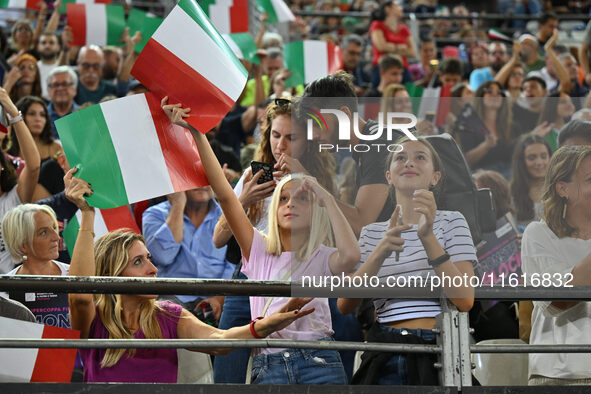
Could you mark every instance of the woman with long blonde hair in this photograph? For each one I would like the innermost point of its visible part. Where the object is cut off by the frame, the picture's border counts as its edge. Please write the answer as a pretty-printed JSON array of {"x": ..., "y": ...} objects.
[
  {"x": 556, "y": 252},
  {"x": 129, "y": 316}
]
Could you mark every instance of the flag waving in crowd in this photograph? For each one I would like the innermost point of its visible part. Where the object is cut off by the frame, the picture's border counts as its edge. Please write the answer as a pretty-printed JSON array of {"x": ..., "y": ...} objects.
[
  {"x": 228, "y": 16},
  {"x": 99, "y": 24}
]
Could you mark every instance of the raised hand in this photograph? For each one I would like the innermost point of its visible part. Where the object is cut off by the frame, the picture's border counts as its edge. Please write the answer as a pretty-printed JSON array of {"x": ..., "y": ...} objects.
[
  {"x": 176, "y": 113},
  {"x": 424, "y": 202},
  {"x": 77, "y": 189},
  {"x": 7, "y": 103},
  {"x": 253, "y": 192},
  {"x": 288, "y": 165},
  {"x": 288, "y": 313},
  {"x": 311, "y": 185},
  {"x": 392, "y": 241}
]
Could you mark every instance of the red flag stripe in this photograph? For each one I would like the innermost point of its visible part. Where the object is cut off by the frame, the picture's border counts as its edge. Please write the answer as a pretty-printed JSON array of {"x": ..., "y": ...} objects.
[
  {"x": 239, "y": 16},
  {"x": 444, "y": 105},
  {"x": 55, "y": 365},
  {"x": 179, "y": 150},
  {"x": 209, "y": 103},
  {"x": 117, "y": 218},
  {"x": 335, "y": 59},
  {"x": 76, "y": 14}
]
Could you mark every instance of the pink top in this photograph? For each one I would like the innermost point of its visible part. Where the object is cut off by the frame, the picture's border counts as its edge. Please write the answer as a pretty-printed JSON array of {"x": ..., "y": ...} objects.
[
  {"x": 264, "y": 266},
  {"x": 147, "y": 365},
  {"x": 400, "y": 36}
]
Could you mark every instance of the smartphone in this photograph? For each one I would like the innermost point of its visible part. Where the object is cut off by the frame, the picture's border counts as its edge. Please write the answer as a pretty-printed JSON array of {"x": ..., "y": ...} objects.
[
  {"x": 266, "y": 167},
  {"x": 430, "y": 117}
]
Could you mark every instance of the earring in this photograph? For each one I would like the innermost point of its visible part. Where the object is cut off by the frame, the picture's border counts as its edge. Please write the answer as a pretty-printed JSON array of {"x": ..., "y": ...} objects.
[
  {"x": 24, "y": 258},
  {"x": 564, "y": 204}
]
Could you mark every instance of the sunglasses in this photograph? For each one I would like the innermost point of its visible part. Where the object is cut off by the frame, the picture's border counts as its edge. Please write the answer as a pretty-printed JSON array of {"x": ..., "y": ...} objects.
[
  {"x": 30, "y": 67},
  {"x": 56, "y": 85},
  {"x": 282, "y": 102}
]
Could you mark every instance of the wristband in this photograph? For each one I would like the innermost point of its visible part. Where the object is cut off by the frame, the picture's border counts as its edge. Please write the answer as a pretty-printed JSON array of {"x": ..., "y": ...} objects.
[
  {"x": 252, "y": 330},
  {"x": 17, "y": 118},
  {"x": 439, "y": 260}
]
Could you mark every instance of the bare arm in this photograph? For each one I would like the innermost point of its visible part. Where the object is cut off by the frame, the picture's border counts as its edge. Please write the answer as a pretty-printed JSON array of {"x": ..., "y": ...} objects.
[
  {"x": 504, "y": 73},
  {"x": 54, "y": 19},
  {"x": 561, "y": 72},
  {"x": 379, "y": 41},
  {"x": 82, "y": 308},
  {"x": 40, "y": 20},
  {"x": 176, "y": 215},
  {"x": 30, "y": 174},
  {"x": 233, "y": 211},
  {"x": 249, "y": 117}
]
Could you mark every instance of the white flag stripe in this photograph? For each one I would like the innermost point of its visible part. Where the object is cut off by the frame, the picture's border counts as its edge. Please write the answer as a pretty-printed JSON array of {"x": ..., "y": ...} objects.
[
  {"x": 143, "y": 168},
  {"x": 17, "y": 365},
  {"x": 100, "y": 227},
  {"x": 96, "y": 24},
  {"x": 429, "y": 102},
  {"x": 17, "y": 3},
  {"x": 233, "y": 46},
  {"x": 195, "y": 48},
  {"x": 315, "y": 60},
  {"x": 282, "y": 10},
  {"x": 219, "y": 13}
]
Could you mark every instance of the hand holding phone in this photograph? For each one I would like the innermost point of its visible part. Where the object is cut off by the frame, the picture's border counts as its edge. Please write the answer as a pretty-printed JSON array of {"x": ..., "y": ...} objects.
[{"x": 266, "y": 167}]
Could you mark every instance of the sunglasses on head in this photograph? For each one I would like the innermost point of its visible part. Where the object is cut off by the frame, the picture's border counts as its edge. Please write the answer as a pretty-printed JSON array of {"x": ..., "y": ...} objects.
[{"x": 282, "y": 102}]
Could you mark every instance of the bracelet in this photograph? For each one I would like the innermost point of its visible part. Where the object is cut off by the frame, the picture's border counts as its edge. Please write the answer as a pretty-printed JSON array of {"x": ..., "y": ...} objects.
[
  {"x": 12, "y": 120},
  {"x": 252, "y": 330},
  {"x": 439, "y": 260},
  {"x": 88, "y": 231}
]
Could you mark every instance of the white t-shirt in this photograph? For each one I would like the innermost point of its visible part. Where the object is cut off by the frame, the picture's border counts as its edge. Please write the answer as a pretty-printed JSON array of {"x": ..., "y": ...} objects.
[
  {"x": 452, "y": 232},
  {"x": 7, "y": 202},
  {"x": 64, "y": 268},
  {"x": 542, "y": 252},
  {"x": 44, "y": 70}
]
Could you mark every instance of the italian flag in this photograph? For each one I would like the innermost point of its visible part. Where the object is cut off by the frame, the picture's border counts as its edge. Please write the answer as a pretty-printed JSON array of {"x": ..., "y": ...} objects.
[
  {"x": 35, "y": 365},
  {"x": 430, "y": 100},
  {"x": 187, "y": 60},
  {"x": 228, "y": 16},
  {"x": 243, "y": 46},
  {"x": 105, "y": 221},
  {"x": 128, "y": 150},
  {"x": 139, "y": 20},
  {"x": 276, "y": 10},
  {"x": 99, "y": 24},
  {"x": 309, "y": 60},
  {"x": 65, "y": 2},
  {"x": 21, "y": 4},
  {"x": 494, "y": 34}
]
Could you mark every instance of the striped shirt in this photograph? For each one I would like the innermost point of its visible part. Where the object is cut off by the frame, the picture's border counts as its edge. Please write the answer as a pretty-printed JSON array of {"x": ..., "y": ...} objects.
[{"x": 452, "y": 232}]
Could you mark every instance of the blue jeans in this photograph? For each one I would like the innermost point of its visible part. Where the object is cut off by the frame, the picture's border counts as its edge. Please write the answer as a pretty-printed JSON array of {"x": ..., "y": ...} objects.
[
  {"x": 346, "y": 328},
  {"x": 395, "y": 371},
  {"x": 231, "y": 368},
  {"x": 299, "y": 366}
]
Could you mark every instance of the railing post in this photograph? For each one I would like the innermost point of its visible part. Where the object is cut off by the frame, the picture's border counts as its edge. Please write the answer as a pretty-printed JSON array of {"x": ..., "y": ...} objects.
[
  {"x": 464, "y": 349},
  {"x": 444, "y": 339}
]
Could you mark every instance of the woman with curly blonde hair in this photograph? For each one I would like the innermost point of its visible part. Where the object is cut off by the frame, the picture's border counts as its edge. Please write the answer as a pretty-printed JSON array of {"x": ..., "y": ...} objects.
[{"x": 556, "y": 252}]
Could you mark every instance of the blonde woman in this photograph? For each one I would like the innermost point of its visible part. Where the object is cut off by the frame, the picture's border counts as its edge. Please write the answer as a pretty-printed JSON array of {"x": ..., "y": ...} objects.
[
  {"x": 557, "y": 251},
  {"x": 128, "y": 316},
  {"x": 301, "y": 221}
]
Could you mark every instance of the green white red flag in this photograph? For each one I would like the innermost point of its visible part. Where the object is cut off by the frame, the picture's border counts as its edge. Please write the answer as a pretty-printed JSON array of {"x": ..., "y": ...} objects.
[
  {"x": 228, "y": 16},
  {"x": 187, "y": 60},
  {"x": 276, "y": 10},
  {"x": 98, "y": 24},
  {"x": 36, "y": 365},
  {"x": 129, "y": 151},
  {"x": 141, "y": 21},
  {"x": 434, "y": 101},
  {"x": 309, "y": 60},
  {"x": 20, "y": 4},
  {"x": 65, "y": 2}
]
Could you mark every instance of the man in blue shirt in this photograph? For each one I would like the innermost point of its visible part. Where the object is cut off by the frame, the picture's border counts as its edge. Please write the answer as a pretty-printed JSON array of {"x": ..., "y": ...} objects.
[
  {"x": 497, "y": 57},
  {"x": 62, "y": 83},
  {"x": 179, "y": 236}
]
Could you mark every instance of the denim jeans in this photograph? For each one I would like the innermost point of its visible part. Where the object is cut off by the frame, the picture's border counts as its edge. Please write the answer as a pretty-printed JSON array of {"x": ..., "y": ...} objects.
[
  {"x": 395, "y": 371},
  {"x": 299, "y": 366},
  {"x": 346, "y": 328},
  {"x": 231, "y": 368}
]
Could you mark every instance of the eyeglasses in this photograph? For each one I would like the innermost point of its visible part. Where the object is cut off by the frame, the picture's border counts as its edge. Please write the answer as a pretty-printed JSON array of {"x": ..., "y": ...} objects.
[
  {"x": 282, "y": 102},
  {"x": 23, "y": 28},
  {"x": 56, "y": 85},
  {"x": 30, "y": 67},
  {"x": 498, "y": 53},
  {"x": 94, "y": 66}
]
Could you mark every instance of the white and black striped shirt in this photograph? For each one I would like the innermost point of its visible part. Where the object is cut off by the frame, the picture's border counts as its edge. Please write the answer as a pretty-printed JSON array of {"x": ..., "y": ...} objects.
[{"x": 452, "y": 232}]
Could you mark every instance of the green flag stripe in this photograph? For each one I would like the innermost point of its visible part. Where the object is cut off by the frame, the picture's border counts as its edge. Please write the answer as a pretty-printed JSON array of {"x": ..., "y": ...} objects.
[
  {"x": 87, "y": 143},
  {"x": 247, "y": 45},
  {"x": 415, "y": 92},
  {"x": 63, "y": 7},
  {"x": 294, "y": 60},
  {"x": 115, "y": 23},
  {"x": 205, "y": 4},
  {"x": 196, "y": 13},
  {"x": 267, "y": 6},
  {"x": 138, "y": 20},
  {"x": 70, "y": 234}
]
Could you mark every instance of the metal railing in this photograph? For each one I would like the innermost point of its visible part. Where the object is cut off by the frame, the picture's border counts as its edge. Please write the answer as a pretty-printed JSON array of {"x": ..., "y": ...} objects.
[{"x": 453, "y": 346}]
